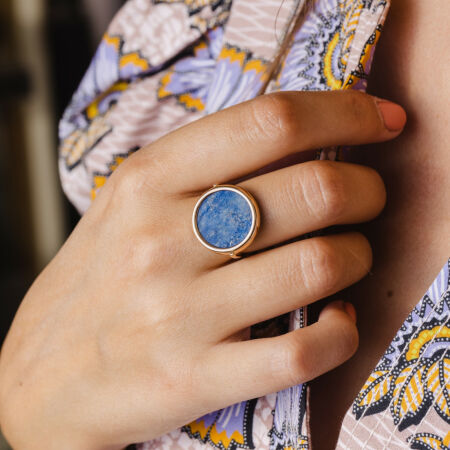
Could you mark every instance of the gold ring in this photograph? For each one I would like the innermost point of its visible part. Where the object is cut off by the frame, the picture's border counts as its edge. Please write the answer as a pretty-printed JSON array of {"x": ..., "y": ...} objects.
[{"x": 226, "y": 219}]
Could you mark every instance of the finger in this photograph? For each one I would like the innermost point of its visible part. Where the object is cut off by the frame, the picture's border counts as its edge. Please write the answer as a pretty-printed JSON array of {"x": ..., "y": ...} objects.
[
  {"x": 314, "y": 195},
  {"x": 255, "y": 368},
  {"x": 275, "y": 282},
  {"x": 305, "y": 197},
  {"x": 241, "y": 139}
]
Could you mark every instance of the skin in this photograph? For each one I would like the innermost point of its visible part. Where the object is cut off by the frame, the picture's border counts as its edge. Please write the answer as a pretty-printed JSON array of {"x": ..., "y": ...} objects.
[
  {"x": 122, "y": 337},
  {"x": 411, "y": 238}
]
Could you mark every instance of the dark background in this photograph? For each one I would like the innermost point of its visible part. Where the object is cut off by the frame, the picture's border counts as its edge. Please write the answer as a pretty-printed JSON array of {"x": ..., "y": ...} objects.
[{"x": 45, "y": 48}]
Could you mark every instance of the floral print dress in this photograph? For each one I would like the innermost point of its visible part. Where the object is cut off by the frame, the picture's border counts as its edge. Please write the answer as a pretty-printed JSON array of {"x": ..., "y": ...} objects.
[{"x": 165, "y": 63}]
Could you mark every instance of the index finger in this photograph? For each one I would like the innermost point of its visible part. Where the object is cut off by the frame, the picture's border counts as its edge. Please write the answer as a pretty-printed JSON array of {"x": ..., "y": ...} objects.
[{"x": 239, "y": 140}]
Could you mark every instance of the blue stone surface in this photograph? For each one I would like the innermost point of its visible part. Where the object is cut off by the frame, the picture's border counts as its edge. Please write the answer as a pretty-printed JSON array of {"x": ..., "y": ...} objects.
[{"x": 224, "y": 219}]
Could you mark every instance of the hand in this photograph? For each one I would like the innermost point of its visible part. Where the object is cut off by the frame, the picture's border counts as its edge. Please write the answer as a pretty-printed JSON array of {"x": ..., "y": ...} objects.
[{"x": 135, "y": 329}]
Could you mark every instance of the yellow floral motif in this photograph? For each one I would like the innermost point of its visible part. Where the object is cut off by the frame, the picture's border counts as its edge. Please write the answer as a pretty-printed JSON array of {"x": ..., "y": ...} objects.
[
  {"x": 117, "y": 71},
  {"x": 344, "y": 36},
  {"x": 191, "y": 103},
  {"x": 409, "y": 393},
  {"x": 332, "y": 82},
  {"x": 429, "y": 441},
  {"x": 423, "y": 338},
  {"x": 112, "y": 40},
  {"x": 222, "y": 437},
  {"x": 186, "y": 99},
  {"x": 438, "y": 382},
  {"x": 375, "y": 388},
  {"x": 256, "y": 65},
  {"x": 240, "y": 61},
  {"x": 92, "y": 110},
  {"x": 233, "y": 54},
  {"x": 198, "y": 426},
  {"x": 133, "y": 58},
  {"x": 165, "y": 80},
  {"x": 417, "y": 383}
]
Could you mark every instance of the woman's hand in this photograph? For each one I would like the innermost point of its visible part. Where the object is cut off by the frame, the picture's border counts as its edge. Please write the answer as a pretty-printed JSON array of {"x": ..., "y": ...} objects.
[{"x": 135, "y": 329}]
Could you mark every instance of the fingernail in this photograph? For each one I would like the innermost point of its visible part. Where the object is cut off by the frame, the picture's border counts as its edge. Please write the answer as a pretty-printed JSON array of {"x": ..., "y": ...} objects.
[
  {"x": 393, "y": 115},
  {"x": 350, "y": 310}
]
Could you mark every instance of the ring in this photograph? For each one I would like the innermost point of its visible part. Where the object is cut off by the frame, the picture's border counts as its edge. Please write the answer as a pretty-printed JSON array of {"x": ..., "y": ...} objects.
[{"x": 226, "y": 219}]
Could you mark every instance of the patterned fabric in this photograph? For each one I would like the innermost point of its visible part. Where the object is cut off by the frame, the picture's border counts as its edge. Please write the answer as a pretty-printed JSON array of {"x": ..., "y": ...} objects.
[
  {"x": 165, "y": 63},
  {"x": 406, "y": 400}
]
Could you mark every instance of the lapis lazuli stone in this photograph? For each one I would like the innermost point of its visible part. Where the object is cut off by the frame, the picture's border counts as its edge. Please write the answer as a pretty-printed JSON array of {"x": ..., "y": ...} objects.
[{"x": 224, "y": 219}]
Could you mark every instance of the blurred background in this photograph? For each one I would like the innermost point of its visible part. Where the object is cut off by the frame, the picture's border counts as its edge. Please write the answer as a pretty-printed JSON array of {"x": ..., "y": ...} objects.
[{"x": 45, "y": 48}]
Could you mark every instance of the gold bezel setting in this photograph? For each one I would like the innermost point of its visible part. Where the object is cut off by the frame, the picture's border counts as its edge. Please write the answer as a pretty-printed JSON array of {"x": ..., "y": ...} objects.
[{"x": 235, "y": 251}]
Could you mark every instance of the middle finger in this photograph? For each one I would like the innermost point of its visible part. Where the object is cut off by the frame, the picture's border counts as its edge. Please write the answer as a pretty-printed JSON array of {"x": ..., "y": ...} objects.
[{"x": 280, "y": 280}]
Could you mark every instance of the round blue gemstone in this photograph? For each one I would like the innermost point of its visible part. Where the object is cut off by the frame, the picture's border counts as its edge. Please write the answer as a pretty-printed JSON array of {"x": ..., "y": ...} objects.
[{"x": 224, "y": 219}]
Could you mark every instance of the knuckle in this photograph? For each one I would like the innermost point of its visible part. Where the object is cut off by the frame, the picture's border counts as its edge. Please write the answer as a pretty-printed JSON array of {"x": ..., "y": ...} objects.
[
  {"x": 324, "y": 266},
  {"x": 273, "y": 116},
  {"x": 325, "y": 191},
  {"x": 143, "y": 171},
  {"x": 360, "y": 108},
  {"x": 128, "y": 179},
  {"x": 149, "y": 254},
  {"x": 288, "y": 275},
  {"x": 298, "y": 361}
]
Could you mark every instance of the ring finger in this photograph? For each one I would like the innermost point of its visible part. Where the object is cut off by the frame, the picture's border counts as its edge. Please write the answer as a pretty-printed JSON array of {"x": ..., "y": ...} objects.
[{"x": 307, "y": 197}]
